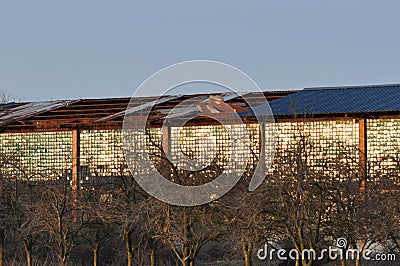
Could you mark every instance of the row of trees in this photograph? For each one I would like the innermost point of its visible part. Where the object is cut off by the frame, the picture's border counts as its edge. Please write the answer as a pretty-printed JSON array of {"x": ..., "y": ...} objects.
[{"x": 300, "y": 205}]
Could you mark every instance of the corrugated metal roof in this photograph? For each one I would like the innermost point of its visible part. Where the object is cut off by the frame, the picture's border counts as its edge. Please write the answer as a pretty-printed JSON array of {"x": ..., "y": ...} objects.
[
  {"x": 29, "y": 110},
  {"x": 7, "y": 105},
  {"x": 336, "y": 100}
]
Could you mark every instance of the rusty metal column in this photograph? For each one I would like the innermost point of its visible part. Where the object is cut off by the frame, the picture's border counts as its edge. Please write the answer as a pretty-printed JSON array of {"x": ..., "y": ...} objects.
[
  {"x": 75, "y": 160},
  {"x": 362, "y": 156},
  {"x": 363, "y": 159},
  {"x": 166, "y": 146},
  {"x": 262, "y": 144},
  {"x": 166, "y": 140}
]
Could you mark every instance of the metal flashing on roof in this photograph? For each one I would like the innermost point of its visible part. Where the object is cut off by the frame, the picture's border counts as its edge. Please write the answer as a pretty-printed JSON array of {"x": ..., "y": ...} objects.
[{"x": 31, "y": 109}]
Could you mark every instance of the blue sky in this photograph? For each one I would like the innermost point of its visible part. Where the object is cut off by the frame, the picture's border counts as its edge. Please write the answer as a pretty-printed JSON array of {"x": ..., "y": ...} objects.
[{"x": 95, "y": 49}]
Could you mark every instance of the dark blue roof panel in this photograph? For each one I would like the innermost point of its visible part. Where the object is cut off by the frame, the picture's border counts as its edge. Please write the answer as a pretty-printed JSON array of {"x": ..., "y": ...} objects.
[{"x": 315, "y": 101}]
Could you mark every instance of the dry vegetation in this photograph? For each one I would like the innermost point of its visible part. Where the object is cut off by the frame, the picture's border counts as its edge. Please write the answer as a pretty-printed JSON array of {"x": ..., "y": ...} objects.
[{"x": 298, "y": 206}]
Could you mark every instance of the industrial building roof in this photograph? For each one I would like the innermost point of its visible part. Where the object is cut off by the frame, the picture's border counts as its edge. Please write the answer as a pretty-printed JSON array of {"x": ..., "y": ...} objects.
[
  {"x": 356, "y": 101},
  {"x": 372, "y": 99},
  {"x": 108, "y": 113}
]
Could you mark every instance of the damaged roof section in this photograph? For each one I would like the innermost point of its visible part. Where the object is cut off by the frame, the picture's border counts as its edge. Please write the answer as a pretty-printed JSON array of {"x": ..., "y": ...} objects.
[
  {"x": 28, "y": 110},
  {"x": 213, "y": 104},
  {"x": 141, "y": 107},
  {"x": 108, "y": 113}
]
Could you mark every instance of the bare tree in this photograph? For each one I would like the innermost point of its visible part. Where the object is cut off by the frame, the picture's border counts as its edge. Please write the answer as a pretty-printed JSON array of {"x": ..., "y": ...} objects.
[
  {"x": 23, "y": 211},
  {"x": 247, "y": 218},
  {"x": 126, "y": 209},
  {"x": 58, "y": 220},
  {"x": 382, "y": 209},
  {"x": 19, "y": 194},
  {"x": 3, "y": 216},
  {"x": 6, "y": 97},
  {"x": 95, "y": 203},
  {"x": 187, "y": 229},
  {"x": 303, "y": 205}
]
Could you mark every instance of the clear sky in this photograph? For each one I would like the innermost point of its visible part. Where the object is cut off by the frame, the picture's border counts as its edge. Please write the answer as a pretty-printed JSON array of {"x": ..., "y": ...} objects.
[{"x": 94, "y": 49}]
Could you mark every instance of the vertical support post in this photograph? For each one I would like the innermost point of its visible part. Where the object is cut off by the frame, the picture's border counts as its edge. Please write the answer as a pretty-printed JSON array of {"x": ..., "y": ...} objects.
[
  {"x": 166, "y": 146},
  {"x": 76, "y": 143},
  {"x": 262, "y": 147},
  {"x": 166, "y": 140},
  {"x": 260, "y": 170},
  {"x": 362, "y": 156},
  {"x": 75, "y": 159}
]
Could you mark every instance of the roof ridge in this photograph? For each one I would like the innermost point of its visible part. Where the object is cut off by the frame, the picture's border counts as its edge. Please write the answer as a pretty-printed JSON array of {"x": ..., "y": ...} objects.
[{"x": 353, "y": 87}]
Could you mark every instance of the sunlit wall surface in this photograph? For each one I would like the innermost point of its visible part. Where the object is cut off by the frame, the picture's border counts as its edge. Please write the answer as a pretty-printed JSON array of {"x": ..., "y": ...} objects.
[
  {"x": 47, "y": 155},
  {"x": 383, "y": 144},
  {"x": 322, "y": 143},
  {"x": 203, "y": 144},
  {"x": 101, "y": 153},
  {"x": 208, "y": 148}
]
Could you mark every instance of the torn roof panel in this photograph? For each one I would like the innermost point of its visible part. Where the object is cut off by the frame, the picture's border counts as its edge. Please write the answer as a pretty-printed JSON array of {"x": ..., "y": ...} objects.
[
  {"x": 233, "y": 95},
  {"x": 182, "y": 112},
  {"x": 85, "y": 112},
  {"x": 31, "y": 109},
  {"x": 139, "y": 107},
  {"x": 7, "y": 105},
  {"x": 200, "y": 106}
]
